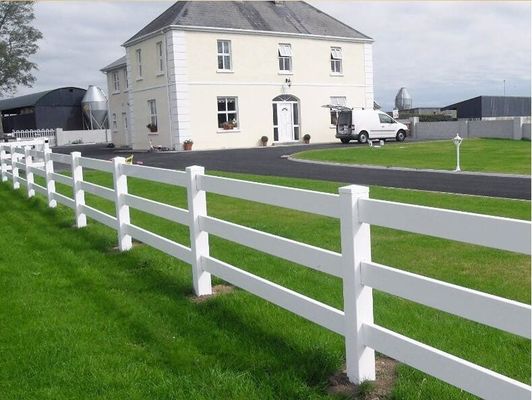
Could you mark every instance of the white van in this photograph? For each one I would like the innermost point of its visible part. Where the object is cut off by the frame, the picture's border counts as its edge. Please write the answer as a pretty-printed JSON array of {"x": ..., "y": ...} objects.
[{"x": 363, "y": 125}]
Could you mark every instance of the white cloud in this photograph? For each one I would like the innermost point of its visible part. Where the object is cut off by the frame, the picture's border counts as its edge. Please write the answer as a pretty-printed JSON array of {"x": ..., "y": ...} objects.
[{"x": 442, "y": 51}]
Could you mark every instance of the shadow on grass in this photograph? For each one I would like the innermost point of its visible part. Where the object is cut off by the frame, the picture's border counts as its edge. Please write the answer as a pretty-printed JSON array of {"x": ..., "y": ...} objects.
[{"x": 236, "y": 333}]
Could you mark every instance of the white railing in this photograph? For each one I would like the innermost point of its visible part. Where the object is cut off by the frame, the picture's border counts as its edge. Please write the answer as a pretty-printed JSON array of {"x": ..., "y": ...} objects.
[
  {"x": 353, "y": 265},
  {"x": 24, "y": 135}
]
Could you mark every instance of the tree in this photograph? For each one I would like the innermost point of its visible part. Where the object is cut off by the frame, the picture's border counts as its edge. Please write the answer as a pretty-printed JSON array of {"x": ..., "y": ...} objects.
[{"x": 18, "y": 41}]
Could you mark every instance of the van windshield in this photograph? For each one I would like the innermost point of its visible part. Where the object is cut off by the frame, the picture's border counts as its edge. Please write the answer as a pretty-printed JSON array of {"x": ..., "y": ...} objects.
[{"x": 344, "y": 118}]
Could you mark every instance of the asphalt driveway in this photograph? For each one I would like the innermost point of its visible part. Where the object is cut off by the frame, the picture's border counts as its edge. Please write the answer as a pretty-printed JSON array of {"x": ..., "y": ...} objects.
[{"x": 270, "y": 161}]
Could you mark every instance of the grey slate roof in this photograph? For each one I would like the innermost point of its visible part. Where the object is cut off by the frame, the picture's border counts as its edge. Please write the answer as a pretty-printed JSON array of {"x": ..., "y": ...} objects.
[
  {"x": 288, "y": 17},
  {"x": 121, "y": 62},
  {"x": 28, "y": 100}
]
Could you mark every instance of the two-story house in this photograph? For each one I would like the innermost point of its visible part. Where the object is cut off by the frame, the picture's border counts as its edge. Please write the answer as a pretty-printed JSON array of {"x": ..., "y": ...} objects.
[
  {"x": 224, "y": 74},
  {"x": 118, "y": 89}
]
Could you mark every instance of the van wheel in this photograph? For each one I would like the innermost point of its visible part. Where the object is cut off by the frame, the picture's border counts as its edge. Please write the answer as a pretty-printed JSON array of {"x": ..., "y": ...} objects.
[
  {"x": 363, "y": 137},
  {"x": 401, "y": 135},
  {"x": 345, "y": 141}
]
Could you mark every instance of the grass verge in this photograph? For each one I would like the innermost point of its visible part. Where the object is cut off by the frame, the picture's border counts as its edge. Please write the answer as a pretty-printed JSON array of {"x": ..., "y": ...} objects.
[
  {"x": 80, "y": 320},
  {"x": 478, "y": 155}
]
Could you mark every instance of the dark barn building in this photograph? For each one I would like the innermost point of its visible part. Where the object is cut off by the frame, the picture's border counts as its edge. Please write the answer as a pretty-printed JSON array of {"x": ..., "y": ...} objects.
[
  {"x": 57, "y": 108},
  {"x": 483, "y": 107}
]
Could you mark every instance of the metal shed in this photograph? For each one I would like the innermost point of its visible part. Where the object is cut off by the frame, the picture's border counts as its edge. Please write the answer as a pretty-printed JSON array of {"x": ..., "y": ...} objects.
[
  {"x": 483, "y": 107},
  {"x": 57, "y": 108}
]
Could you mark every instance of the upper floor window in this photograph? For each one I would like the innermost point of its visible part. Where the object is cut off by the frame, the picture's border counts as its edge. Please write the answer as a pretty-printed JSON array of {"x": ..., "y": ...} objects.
[
  {"x": 285, "y": 57},
  {"x": 227, "y": 113},
  {"x": 116, "y": 81},
  {"x": 152, "y": 109},
  {"x": 224, "y": 55},
  {"x": 139, "y": 63},
  {"x": 160, "y": 58},
  {"x": 337, "y": 101},
  {"x": 125, "y": 79},
  {"x": 336, "y": 60}
]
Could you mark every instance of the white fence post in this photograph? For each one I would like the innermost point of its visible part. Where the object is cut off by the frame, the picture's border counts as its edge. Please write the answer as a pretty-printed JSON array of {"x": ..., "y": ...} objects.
[
  {"x": 199, "y": 240},
  {"x": 79, "y": 194},
  {"x": 14, "y": 169},
  {"x": 28, "y": 161},
  {"x": 48, "y": 171},
  {"x": 358, "y": 299},
  {"x": 3, "y": 165},
  {"x": 122, "y": 210}
]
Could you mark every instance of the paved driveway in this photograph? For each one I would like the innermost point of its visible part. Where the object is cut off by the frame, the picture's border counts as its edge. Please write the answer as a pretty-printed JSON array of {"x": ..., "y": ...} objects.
[{"x": 269, "y": 161}]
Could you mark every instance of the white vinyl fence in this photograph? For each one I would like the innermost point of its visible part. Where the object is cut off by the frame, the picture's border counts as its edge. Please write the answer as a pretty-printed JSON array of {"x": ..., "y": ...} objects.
[
  {"x": 356, "y": 212},
  {"x": 31, "y": 134}
]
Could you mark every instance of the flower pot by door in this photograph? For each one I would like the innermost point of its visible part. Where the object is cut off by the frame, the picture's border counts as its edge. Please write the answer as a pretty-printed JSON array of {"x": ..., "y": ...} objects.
[{"x": 187, "y": 146}]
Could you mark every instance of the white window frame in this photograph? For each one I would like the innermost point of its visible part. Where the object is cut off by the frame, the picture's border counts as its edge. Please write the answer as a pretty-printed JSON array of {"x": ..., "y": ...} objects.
[
  {"x": 124, "y": 120},
  {"x": 160, "y": 57},
  {"x": 116, "y": 82},
  {"x": 152, "y": 114},
  {"x": 114, "y": 122},
  {"x": 224, "y": 56},
  {"x": 125, "y": 78},
  {"x": 139, "y": 63},
  {"x": 285, "y": 58},
  {"x": 226, "y": 112},
  {"x": 336, "y": 61},
  {"x": 337, "y": 101}
]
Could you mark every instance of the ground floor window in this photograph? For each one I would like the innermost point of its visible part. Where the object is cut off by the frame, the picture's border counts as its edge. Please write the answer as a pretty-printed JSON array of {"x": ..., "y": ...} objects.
[
  {"x": 152, "y": 110},
  {"x": 227, "y": 113},
  {"x": 113, "y": 121}
]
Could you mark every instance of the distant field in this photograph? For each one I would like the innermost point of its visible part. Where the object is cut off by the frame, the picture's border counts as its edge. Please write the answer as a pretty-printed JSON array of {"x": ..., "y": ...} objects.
[
  {"x": 480, "y": 155},
  {"x": 80, "y": 320}
]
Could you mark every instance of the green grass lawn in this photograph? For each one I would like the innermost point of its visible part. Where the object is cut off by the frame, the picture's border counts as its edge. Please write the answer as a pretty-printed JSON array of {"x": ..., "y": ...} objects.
[
  {"x": 80, "y": 320},
  {"x": 481, "y": 155}
]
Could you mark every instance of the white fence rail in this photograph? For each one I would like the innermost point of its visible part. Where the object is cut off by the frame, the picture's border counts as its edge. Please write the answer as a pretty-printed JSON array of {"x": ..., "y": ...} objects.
[
  {"x": 354, "y": 266},
  {"x": 29, "y": 134}
]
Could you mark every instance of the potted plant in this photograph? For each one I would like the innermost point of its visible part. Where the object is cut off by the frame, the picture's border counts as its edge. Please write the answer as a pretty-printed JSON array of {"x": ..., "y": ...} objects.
[
  {"x": 306, "y": 138},
  {"x": 264, "y": 140},
  {"x": 187, "y": 144},
  {"x": 227, "y": 126},
  {"x": 152, "y": 127}
]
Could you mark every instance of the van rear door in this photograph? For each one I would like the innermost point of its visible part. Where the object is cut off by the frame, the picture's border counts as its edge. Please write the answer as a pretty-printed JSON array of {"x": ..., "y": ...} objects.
[{"x": 343, "y": 124}]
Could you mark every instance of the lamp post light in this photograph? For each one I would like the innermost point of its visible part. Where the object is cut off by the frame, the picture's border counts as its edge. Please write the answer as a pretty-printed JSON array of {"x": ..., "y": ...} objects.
[{"x": 457, "y": 140}]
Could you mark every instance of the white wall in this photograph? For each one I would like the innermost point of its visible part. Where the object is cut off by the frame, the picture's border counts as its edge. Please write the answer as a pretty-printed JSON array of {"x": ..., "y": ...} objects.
[
  {"x": 86, "y": 136},
  {"x": 515, "y": 128}
]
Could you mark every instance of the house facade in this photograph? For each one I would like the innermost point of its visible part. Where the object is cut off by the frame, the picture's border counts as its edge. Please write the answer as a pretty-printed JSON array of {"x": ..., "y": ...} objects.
[
  {"x": 224, "y": 74},
  {"x": 117, "y": 87}
]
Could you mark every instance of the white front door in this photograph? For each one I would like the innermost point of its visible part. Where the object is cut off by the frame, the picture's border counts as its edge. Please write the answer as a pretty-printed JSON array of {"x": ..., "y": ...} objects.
[{"x": 286, "y": 122}]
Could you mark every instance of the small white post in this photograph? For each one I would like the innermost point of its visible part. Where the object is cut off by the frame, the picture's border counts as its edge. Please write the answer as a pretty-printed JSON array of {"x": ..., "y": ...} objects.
[
  {"x": 199, "y": 240},
  {"x": 28, "y": 162},
  {"x": 48, "y": 171},
  {"x": 14, "y": 169},
  {"x": 358, "y": 299},
  {"x": 457, "y": 140},
  {"x": 122, "y": 210},
  {"x": 3, "y": 165},
  {"x": 79, "y": 194}
]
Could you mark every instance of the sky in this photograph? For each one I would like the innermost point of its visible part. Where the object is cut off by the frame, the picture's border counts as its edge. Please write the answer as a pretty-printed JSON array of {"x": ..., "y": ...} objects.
[{"x": 441, "y": 51}]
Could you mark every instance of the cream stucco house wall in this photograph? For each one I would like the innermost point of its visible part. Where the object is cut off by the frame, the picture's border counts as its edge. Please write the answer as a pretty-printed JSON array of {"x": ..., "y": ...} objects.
[
  {"x": 224, "y": 74},
  {"x": 117, "y": 88}
]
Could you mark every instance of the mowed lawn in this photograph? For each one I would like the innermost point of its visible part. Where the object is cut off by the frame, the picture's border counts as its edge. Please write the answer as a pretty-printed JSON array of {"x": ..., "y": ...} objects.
[
  {"x": 80, "y": 320},
  {"x": 476, "y": 155}
]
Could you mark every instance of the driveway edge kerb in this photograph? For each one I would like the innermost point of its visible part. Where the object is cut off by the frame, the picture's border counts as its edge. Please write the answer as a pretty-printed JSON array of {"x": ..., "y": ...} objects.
[{"x": 380, "y": 167}]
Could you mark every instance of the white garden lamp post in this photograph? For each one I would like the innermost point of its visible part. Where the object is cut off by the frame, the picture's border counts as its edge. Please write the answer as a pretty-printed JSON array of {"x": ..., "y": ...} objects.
[{"x": 457, "y": 140}]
